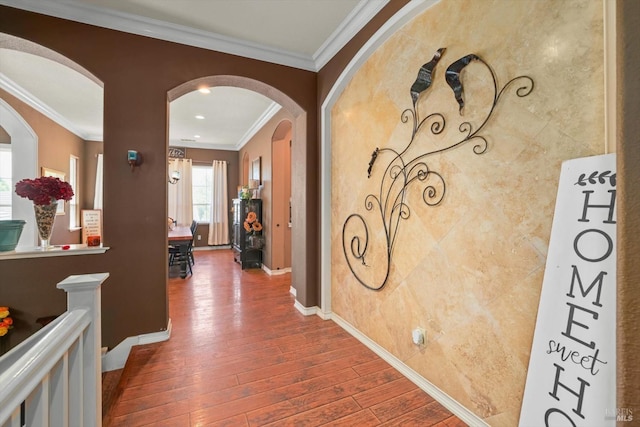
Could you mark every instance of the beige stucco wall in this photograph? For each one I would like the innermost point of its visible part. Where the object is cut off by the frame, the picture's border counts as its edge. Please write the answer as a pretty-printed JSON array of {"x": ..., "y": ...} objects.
[{"x": 470, "y": 270}]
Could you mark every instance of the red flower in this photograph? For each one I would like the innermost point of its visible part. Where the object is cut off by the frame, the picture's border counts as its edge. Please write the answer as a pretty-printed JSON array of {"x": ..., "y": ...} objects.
[{"x": 44, "y": 190}]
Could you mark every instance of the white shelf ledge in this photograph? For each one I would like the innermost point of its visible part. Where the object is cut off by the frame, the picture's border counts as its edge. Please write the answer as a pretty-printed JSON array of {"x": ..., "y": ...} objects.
[{"x": 24, "y": 253}]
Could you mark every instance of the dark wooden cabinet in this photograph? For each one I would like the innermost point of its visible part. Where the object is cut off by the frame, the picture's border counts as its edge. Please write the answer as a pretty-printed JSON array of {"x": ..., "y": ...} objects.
[{"x": 247, "y": 246}]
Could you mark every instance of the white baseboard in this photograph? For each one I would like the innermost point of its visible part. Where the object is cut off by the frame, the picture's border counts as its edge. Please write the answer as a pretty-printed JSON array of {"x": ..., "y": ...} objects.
[
  {"x": 310, "y": 311},
  {"x": 440, "y": 396},
  {"x": 116, "y": 358},
  {"x": 307, "y": 311},
  {"x": 211, "y": 248},
  {"x": 276, "y": 272}
]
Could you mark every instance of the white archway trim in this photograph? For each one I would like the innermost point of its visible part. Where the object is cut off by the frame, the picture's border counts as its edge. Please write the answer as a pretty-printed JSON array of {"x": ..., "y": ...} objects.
[
  {"x": 24, "y": 155},
  {"x": 262, "y": 120}
]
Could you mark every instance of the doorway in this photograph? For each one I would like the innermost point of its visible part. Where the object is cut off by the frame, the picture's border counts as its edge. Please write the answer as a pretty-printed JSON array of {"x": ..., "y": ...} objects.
[{"x": 281, "y": 195}]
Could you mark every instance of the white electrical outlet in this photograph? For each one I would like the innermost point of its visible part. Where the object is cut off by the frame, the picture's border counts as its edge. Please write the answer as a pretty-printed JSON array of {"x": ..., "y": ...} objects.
[
  {"x": 199, "y": 237},
  {"x": 418, "y": 336}
]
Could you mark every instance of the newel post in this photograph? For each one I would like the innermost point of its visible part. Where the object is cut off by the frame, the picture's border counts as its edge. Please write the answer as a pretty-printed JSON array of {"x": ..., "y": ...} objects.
[{"x": 83, "y": 292}]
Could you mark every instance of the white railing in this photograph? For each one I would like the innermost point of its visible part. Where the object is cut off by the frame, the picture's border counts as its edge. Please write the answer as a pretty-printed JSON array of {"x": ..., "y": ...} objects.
[{"x": 54, "y": 377}]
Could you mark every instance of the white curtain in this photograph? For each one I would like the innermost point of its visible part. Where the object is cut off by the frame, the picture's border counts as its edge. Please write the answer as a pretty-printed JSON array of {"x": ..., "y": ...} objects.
[
  {"x": 180, "y": 206},
  {"x": 219, "y": 224},
  {"x": 97, "y": 197}
]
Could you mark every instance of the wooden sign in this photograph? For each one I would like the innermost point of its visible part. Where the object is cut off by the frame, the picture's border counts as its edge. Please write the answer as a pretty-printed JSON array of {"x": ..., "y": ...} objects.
[
  {"x": 571, "y": 379},
  {"x": 91, "y": 227}
]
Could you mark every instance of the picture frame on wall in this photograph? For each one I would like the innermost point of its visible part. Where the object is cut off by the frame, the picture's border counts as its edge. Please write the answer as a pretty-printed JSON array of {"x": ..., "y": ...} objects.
[
  {"x": 56, "y": 174},
  {"x": 256, "y": 170}
]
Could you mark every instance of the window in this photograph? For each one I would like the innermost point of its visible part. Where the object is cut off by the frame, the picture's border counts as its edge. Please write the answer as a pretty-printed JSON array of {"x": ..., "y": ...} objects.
[
  {"x": 201, "y": 184},
  {"x": 74, "y": 217},
  {"x": 6, "y": 185}
]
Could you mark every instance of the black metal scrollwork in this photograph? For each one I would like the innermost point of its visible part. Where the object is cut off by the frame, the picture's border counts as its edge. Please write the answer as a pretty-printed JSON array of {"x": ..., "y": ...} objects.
[{"x": 402, "y": 171}]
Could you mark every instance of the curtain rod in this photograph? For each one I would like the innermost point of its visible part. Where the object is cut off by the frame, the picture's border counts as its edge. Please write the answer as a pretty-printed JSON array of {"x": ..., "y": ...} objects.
[{"x": 204, "y": 162}]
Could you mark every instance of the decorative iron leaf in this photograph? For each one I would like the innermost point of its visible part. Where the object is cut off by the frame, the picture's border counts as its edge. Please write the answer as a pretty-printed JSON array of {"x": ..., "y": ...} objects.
[
  {"x": 453, "y": 77},
  {"x": 374, "y": 155},
  {"x": 424, "y": 79}
]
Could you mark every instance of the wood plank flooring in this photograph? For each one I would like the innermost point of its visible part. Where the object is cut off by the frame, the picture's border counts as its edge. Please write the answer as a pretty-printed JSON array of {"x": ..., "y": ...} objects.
[{"x": 240, "y": 354}]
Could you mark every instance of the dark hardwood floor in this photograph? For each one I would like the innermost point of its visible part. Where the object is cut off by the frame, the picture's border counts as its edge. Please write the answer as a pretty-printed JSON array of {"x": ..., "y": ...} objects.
[{"x": 240, "y": 354}]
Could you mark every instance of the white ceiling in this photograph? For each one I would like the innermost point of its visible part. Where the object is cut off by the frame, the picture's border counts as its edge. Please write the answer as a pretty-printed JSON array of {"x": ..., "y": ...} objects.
[{"x": 298, "y": 33}]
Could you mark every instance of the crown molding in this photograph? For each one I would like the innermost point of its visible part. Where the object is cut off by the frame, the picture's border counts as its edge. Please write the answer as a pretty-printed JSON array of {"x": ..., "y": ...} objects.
[
  {"x": 32, "y": 101},
  {"x": 354, "y": 22},
  {"x": 129, "y": 23},
  {"x": 259, "y": 123},
  {"x": 203, "y": 145}
]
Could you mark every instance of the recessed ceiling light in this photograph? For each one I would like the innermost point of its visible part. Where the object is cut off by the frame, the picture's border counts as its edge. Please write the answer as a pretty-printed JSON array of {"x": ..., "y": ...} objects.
[
  {"x": 200, "y": 117},
  {"x": 196, "y": 136},
  {"x": 204, "y": 90}
]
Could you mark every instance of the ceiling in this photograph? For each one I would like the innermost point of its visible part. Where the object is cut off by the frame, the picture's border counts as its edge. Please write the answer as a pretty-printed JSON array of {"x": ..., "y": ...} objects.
[{"x": 303, "y": 34}]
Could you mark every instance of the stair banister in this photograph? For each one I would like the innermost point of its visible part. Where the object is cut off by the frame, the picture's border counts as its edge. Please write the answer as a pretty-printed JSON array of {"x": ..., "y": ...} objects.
[{"x": 55, "y": 375}]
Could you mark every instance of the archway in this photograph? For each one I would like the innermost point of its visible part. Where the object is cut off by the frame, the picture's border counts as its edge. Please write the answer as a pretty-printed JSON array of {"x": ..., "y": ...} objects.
[
  {"x": 301, "y": 268},
  {"x": 281, "y": 195},
  {"x": 39, "y": 82}
]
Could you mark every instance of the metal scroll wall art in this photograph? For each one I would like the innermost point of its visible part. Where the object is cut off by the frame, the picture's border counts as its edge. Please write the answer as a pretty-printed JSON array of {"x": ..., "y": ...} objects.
[{"x": 401, "y": 171}]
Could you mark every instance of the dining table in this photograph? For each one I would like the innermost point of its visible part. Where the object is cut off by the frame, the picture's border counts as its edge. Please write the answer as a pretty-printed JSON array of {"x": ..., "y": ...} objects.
[{"x": 180, "y": 237}]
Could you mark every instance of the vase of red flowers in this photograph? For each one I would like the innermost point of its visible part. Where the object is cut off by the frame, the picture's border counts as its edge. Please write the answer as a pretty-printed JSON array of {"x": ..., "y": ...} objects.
[{"x": 45, "y": 192}]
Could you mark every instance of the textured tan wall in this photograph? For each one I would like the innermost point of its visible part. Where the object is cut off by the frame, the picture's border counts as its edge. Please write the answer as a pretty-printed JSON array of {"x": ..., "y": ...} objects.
[{"x": 470, "y": 270}]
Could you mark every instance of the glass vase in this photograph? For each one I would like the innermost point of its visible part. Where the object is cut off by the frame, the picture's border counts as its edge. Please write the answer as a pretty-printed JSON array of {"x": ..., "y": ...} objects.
[{"x": 45, "y": 217}]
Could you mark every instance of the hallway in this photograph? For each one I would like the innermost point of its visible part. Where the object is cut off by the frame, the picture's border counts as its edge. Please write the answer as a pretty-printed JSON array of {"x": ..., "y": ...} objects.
[{"x": 240, "y": 354}]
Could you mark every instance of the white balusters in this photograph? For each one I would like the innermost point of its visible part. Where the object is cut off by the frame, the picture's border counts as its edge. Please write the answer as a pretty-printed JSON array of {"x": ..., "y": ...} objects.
[{"x": 54, "y": 377}]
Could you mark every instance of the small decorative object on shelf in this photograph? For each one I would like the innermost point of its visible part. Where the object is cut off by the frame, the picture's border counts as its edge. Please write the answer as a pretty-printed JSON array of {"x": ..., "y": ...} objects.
[
  {"x": 248, "y": 240},
  {"x": 6, "y": 322},
  {"x": 10, "y": 231},
  {"x": 405, "y": 168},
  {"x": 245, "y": 193},
  {"x": 45, "y": 192}
]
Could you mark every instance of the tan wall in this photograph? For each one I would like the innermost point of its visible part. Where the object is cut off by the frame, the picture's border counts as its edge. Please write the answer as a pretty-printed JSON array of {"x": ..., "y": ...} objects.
[
  {"x": 470, "y": 270},
  {"x": 260, "y": 146},
  {"x": 281, "y": 194}
]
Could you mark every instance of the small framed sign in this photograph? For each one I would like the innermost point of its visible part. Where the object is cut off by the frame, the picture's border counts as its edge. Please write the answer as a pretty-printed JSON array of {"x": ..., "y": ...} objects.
[
  {"x": 92, "y": 227},
  {"x": 177, "y": 153}
]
